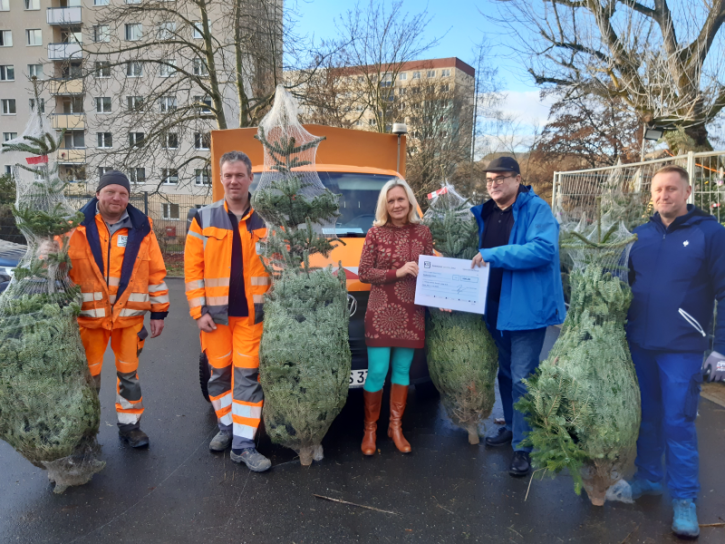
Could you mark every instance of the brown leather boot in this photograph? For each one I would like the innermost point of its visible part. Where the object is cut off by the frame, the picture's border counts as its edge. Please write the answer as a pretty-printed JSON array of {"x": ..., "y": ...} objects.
[
  {"x": 398, "y": 398},
  {"x": 372, "y": 413}
]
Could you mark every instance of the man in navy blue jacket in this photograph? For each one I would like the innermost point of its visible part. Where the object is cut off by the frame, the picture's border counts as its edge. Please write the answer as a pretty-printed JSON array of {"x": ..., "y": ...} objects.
[
  {"x": 677, "y": 270},
  {"x": 519, "y": 239}
]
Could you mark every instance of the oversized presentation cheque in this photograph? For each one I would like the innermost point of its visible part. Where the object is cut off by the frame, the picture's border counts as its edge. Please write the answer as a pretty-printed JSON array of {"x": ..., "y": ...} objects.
[{"x": 451, "y": 284}]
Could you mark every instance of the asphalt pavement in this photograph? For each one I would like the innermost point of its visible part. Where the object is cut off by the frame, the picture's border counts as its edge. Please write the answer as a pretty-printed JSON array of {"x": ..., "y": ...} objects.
[{"x": 444, "y": 491}]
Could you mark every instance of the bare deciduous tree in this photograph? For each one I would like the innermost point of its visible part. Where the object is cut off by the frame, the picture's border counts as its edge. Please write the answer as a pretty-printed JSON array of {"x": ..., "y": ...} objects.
[
  {"x": 666, "y": 60},
  {"x": 173, "y": 71}
]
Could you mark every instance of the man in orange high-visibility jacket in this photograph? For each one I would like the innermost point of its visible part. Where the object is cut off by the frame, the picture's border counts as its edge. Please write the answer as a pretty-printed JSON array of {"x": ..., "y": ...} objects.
[
  {"x": 225, "y": 285},
  {"x": 116, "y": 260}
]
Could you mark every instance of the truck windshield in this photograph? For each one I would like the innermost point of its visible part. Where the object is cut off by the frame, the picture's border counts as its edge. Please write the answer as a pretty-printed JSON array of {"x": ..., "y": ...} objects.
[{"x": 358, "y": 201}]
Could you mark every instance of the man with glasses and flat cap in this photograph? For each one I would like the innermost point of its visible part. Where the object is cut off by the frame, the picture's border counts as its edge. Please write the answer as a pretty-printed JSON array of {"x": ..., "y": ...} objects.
[{"x": 519, "y": 240}]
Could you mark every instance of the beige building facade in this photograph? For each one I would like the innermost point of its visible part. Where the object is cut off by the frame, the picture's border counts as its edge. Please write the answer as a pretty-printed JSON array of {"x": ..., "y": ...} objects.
[{"x": 139, "y": 105}]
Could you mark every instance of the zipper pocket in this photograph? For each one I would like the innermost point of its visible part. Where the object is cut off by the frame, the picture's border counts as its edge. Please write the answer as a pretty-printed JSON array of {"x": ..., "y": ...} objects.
[{"x": 692, "y": 321}]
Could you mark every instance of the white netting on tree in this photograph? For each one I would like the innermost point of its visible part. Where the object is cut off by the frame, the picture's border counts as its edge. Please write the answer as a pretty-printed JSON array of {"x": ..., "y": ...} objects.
[
  {"x": 299, "y": 210},
  {"x": 462, "y": 356},
  {"x": 584, "y": 403},
  {"x": 304, "y": 356},
  {"x": 49, "y": 409}
]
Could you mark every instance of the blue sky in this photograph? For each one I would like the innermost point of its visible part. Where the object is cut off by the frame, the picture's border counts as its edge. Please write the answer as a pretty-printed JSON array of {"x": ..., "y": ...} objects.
[{"x": 461, "y": 25}]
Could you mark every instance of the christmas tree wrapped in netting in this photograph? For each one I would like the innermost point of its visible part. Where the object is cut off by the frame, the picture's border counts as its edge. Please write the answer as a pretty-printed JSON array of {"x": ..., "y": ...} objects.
[
  {"x": 462, "y": 356},
  {"x": 49, "y": 409},
  {"x": 304, "y": 357},
  {"x": 583, "y": 403}
]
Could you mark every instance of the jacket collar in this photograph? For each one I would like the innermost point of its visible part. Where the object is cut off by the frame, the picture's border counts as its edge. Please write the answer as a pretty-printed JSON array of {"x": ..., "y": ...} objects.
[
  {"x": 525, "y": 194},
  {"x": 140, "y": 228},
  {"x": 693, "y": 216}
]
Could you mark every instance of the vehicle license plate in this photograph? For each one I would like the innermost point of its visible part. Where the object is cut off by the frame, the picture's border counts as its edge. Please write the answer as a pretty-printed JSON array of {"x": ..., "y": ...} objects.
[{"x": 357, "y": 378}]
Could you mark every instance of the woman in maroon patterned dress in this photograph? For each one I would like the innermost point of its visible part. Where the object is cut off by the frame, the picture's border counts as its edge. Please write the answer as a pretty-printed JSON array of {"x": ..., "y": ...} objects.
[{"x": 394, "y": 325}]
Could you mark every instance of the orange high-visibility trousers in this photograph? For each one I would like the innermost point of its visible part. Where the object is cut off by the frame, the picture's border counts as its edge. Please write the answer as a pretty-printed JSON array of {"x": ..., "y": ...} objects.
[
  {"x": 126, "y": 345},
  {"x": 236, "y": 395}
]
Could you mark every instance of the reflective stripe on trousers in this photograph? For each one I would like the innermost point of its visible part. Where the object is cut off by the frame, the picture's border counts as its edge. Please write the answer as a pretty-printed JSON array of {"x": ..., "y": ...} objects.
[
  {"x": 126, "y": 346},
  {"x": 233, "y": 354}
]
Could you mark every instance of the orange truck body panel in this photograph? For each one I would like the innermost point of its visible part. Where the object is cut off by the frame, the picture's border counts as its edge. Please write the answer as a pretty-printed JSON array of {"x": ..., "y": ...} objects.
[{"x": 343, "y": 150}]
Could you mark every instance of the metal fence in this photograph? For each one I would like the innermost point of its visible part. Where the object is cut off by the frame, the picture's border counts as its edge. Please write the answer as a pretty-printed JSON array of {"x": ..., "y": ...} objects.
[{"x": 577, "y": 191}]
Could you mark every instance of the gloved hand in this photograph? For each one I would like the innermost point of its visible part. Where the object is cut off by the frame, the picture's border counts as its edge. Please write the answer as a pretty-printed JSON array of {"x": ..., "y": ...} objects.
[{"x": 714, "y": 367}]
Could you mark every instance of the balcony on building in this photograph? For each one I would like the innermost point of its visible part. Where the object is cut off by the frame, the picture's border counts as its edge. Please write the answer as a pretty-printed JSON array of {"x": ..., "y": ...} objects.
[
  {"x": 65, "y": 51},
  {"x": 69, "y": 121},
  {"x": 65, "y": 86},
  {"x": 64, "y": 16},
  {"x": 71, "y": 156}
]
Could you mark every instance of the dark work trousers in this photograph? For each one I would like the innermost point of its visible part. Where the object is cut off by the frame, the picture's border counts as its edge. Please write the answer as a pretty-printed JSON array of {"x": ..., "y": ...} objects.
[
  {"x": 670, "y": 386},
  {"x": 518, "y": 358}
]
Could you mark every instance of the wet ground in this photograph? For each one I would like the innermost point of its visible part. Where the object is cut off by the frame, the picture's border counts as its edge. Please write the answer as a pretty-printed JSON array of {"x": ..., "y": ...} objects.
[{"x": 444, "y": 491}]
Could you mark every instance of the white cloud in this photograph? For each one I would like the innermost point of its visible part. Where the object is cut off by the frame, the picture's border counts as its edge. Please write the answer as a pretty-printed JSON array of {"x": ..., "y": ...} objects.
[{"x": 526, "y": 107}]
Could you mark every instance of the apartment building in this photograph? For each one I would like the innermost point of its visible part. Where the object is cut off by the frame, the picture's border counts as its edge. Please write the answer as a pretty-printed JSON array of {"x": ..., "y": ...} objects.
[
  {"x": 434, "y": 97},
  {"x": 118, "y": 76}
]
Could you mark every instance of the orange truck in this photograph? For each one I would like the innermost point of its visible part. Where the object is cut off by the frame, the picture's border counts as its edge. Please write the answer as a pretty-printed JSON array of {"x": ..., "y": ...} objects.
[{"x": 354, "y": 164}]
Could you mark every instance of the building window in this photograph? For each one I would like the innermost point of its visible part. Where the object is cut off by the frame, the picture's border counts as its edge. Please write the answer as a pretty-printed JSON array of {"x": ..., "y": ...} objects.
[
  {"x": 402, "y": 76},
  {"x": 103, "y": 104},
  {"x": 8, "y": 106},
  {"x": 416, "y": 75},
  {"x": 35, "y": 70},
  {"x": 75, "y": 139},
  {"x": 135, "y": 139},
  {"x": 170, "y": 140},
  {"x": 105, "y": 140},
  {"x": 169, "y": 176},
  {"x": 446, "y": 72},
  {"x": 100, "y": 2},
  {"x": 137, "y": 175},
  {"x": 6, "y": 38},
  {"x": 168, "y": 69},
  {"x": 202, "y": 177},
  {"x": 4, "y": 5},
  {"x": 165, "y": 30},
  {"x": 31, "y": 101},
  {"x": 7, "y": 136},
  {"x": 202, "y": 140},
  {"x": 167, "y": 104},
  {"x": 133, "y": 32},
  {"x": 8, "y": 167},
  {"x": 102, "y": 170},
  {"x": 133, "y": 1},
  {"x": 7, "y": 73},
  {"x": 134, "y": 103},
  {"x": 170, "y": 211},
  {"x": 203, "y": 104},
  {"x": 430, "y": 73},
  {"x": 387, "y": 81},
  {"x": 34, "y": 36},
  {"x": 372, "y": 122},
  {"x": 200, "y": 68},
  {"x": 134, "y": 69},
  {"x": 32, "y": 4},
  {"x": 101, "y": 33},
  {"x": 445, "y": 88},
  {"x": 197, "y": 31},
  {"x": 103, "y": 69}
]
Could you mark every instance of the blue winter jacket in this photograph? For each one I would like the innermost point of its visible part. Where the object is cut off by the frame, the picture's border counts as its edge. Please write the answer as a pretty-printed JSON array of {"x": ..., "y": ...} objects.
[
  {"x": 681, "y": 267},
  {"x": 532, "y": 296}
]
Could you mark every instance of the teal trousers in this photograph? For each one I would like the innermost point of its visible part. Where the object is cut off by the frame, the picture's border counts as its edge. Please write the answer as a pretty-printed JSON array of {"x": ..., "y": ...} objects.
[{"x": 379, "y": 362}]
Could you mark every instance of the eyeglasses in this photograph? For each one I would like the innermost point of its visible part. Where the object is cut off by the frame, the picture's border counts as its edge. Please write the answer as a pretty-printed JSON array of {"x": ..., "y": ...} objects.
[{"x": 499, "y": 180}]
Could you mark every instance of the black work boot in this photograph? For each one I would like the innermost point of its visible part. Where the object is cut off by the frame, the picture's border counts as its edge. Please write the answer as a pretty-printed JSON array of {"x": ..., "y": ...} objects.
[
  {"x": 135, "y": 438},
  {"x": 503, "y": 437},
  {"x": 520, "y": 464}
]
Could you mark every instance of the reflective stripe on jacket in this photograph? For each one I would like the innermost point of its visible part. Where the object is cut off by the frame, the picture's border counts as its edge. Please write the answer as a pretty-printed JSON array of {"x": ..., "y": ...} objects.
[
  {"x": 208, "y": 258},
  {"x": 121, "y": 276}
]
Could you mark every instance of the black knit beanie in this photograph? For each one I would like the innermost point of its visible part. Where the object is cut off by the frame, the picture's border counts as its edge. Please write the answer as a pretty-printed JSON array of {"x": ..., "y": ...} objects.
[{"x": 114, "y": 177}]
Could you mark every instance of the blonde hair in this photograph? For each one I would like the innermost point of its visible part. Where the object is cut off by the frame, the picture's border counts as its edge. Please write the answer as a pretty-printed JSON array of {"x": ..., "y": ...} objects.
[{"x": 381, "y": 212}]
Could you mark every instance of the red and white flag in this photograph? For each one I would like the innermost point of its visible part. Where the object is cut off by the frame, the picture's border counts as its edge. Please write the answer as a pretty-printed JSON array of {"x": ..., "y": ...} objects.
[
  {"x": 37, "y": 160},
  {"x": 440, "y": 191}
]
